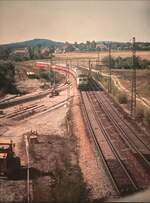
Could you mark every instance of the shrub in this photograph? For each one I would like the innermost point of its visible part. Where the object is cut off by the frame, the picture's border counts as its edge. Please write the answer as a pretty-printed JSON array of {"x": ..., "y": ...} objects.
[
  {"x": 7, "y": 74},
  {"x": 47, "y": 75},
  {"x": 122, "y": 97},
  {"x": 126, "y": 62},
  {"x": 139, "y": 112},
  {"x": 115, "y": 90},
  {"x": 104, "y": 81},
  {"x": 145, "y": 89},
  {"x": 147, "y": 117}
]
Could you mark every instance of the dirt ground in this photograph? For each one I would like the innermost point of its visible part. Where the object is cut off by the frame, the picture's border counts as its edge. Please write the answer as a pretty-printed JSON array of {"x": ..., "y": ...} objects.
[
  {"x": 53, "y": 157},
  {"x": 63, "y": 164}
]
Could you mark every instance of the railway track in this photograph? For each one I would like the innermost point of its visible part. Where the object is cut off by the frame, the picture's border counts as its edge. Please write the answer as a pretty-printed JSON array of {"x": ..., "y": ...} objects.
[
  {"x": 136, "y": 140},
  {"x": 115, "y": 168},
  {"x": 25, "y": 112},
  {"x": 27, "y": 98},
  {"x": 118, "y": 151}
]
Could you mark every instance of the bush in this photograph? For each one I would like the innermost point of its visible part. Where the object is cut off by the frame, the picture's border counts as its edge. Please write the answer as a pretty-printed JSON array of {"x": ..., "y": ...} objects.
[
  {"x": 139, "y": 112},
  {"x": 147, "y": 117},
  {"x": 47, "y": 75},
  {"x": 126, "y": 63},
  {"x": 7, "y": 77},
  {"x": 122, "y": 97},
  {"x": 106, "y": 60},
  {"x": 7, "y": 74},
  {"x": 145, "y": 88},
  {"x": 115, "y": 90}
]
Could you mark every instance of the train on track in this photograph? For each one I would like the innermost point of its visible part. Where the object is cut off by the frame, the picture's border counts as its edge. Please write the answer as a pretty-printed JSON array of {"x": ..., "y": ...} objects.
[
  {"x": 82, "y": 78},
  {"x": 81, "y": 73}
]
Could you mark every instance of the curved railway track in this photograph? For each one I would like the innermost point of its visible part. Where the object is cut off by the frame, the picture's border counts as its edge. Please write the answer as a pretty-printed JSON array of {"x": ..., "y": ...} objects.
[{"x": 114, "y": 141}]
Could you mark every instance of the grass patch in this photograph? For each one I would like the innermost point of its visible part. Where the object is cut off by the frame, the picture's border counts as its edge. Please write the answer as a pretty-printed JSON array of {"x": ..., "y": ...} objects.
[
  {"x": 104, "y": 81},
  {"x": 143, "y": 114},
  {"x": 145, "y": 89},
  {"x": 121, "y": 96}
]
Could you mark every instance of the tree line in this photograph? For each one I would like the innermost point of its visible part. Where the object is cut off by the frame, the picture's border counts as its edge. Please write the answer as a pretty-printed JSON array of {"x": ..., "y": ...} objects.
[
  {"x": 126, "y": 63},
  {"x": 32, "y": 53},
  {"x": 7, "y": 76}
]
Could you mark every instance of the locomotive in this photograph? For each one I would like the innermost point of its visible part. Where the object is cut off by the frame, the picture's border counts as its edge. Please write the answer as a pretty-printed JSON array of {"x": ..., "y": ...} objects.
[{"x": 82, "y": 77}]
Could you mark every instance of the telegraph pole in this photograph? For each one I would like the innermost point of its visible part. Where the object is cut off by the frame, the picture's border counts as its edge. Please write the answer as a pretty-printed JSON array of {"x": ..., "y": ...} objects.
[
  {"x": 66, "y": 71},
  {"x": 133, "y": 84},
  {"x": 89, "y": 67},
  {"x": 98, "y": 56},
  {"x": 77, "y": 63},
  {"x": 109, "y": 80},
  {"x": 50, "y": 74},
  {"x": 68, "y": 82},
  {"x": 54, "y": 82}
]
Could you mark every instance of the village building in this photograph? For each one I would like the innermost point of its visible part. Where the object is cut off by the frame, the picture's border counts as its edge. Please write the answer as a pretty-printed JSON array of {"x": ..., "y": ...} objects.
[{"x": 22, "y": 52}]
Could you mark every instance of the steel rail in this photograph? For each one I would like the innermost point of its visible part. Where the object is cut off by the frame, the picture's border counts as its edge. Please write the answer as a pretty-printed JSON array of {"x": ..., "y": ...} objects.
[
  {"x": 91, "y": 132},
  {"x": 119, "y": 128},
  {"x": 106, "y": 97},
  {"x": 105, "y": 133},
  {"x": 121, "y": 188},
  {"x": 126, "y": 124}
]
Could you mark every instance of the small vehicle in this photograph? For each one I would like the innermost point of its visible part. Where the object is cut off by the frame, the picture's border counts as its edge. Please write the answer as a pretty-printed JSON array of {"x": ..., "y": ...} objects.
[
  {"x": 10, "y": 164},
  {"x": 54, "y": 93}
]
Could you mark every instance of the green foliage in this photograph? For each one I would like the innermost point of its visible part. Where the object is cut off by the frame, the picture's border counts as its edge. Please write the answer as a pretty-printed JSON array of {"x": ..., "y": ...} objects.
[
  {"x": 126, "y": 63},
  {"x": 4, "y": 53},
  {"x": 104, "y": 81},
  {"x": 145, "y": 88},
  {"x": 31, "y": 52},
  {"x": 147, "y": 117},
  {"x": 47, "y": 75},
  {"x": 139, "y": 112},
  {"x": 106, "y": 60},
  {"x": 121, "y": 96},
  {"x": 7, "y": 75},
  {"x": 114, "y": 90},
  {"x": 143, "y": 114},
  {"x": 16, "y": 58}
]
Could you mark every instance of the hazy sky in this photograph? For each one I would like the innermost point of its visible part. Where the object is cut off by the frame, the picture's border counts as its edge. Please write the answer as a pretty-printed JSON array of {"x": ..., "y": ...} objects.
[{"x": 71, "y": 21}]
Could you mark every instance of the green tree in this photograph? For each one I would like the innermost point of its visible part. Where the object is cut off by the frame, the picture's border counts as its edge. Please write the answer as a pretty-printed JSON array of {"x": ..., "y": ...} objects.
[
  {"x": 4, "y": 53},
  {"x": 106, "y": 61},
  {"x": 7, "y": 75},
  {"x": 31, "y": 52}
]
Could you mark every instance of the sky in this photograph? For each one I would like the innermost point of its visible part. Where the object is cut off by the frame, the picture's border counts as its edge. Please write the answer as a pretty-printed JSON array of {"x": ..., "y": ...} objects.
[{"x": 80, "y": 20}]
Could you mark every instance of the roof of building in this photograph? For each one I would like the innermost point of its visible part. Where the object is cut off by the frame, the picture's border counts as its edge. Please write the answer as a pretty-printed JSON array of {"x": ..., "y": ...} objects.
[{"x": 21, "y": 51}]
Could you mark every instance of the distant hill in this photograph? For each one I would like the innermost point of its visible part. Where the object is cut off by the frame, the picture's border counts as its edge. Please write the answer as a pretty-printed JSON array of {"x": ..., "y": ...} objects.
[
  {"x": 33, "y": 43},
  {"x": 84, "y": 46}
]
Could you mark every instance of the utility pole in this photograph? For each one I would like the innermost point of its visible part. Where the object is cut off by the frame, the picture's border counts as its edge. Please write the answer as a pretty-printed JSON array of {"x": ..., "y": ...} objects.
[
  {"x": 77, "y": 63},
  {"x": 67, "y": 71},
  {"x": 89, "y": 67},
  {"x": 98, "y": 56},
  {"x": 54, "y": 76},
  {"x": 109, "y": 79},
  {"x": 70, "y": 62},
  {"x": 50, "y": 69},
  {"x": 68, "y": 82},
  {"x": 133, "y": 84}
]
